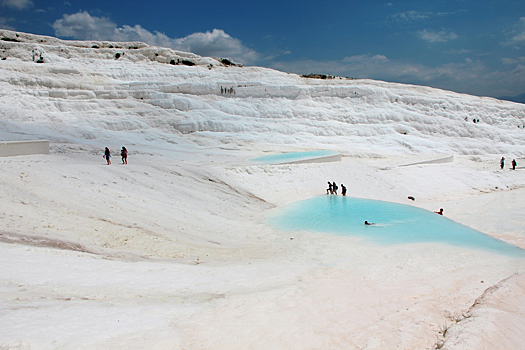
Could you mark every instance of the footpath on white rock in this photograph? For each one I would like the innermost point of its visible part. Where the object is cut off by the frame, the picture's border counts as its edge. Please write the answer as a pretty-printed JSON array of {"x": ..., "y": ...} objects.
[{"x": 172, "y": 250}]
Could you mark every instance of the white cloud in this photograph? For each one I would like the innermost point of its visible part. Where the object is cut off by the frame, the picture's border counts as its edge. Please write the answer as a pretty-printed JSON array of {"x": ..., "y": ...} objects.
[
  {"x": 410, "y": 16},
  {"x": 217, "y": 43},
  {"x": 359, "y": 66},
  {"x": 469, "y": 76},
  {"x": 17, "y": 4},
  {"x": 83, "y": 26},
  {"x": 458, "y": 51},
  {"x": 435, "y": 36},
  {"x": 4, "y": 25},
  {"x": 509, "y": 61},
  {"x": 360, "y": 59},
  {"x": 518, "y": 35},
  {"x": 512, "y": 61}
]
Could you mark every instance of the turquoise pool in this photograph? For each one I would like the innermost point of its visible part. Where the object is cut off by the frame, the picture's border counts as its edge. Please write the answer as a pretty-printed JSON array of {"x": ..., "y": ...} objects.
[
  {"x": 394, "y": 223},
  {"x": 291, "y": 157}
]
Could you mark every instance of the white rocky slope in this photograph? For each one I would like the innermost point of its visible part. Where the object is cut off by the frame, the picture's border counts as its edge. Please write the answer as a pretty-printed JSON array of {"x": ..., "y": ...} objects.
[
  {"x": 140, "y": 91},
  {"x": 172, "y": 251}
]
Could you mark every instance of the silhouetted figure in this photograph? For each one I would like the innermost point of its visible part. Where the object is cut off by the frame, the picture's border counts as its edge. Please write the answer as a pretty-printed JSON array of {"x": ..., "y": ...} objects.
[
  {"x": 440, "y": 212},
  {"x": 343, "y": 190},
  {"x": 107, "y": 155},
  {"x": 412, "y": 198},
  {"x": 502, "y": 162},
  {"x": 329, "y": 189},
  {"x": 514, "y": 164},
  {"x": 334, "y": 188},
  {"x": 124, "y": 155}
]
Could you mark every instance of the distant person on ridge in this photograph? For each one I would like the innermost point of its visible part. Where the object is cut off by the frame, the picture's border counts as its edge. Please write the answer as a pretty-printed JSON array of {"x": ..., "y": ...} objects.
[
  {"x": 124, "y": 155},
  {"x": 440, "y": 212},
  {"x": 343, "y": 190},
  {"x": 107, "y": 155},
  {"x": 514, "y": 164},
  {"x": 502, "y": 162},
  {"x": 330, "y": 188}
]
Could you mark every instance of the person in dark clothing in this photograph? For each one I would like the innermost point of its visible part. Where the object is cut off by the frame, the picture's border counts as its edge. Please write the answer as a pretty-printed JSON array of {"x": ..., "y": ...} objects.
[
  {"x": 330, "y": 189},
  {"x": 334, "y": 188},
  {"x": 502, "y": 162},
  {"x": 124, "y": 155},
  {"x": 440, "y": 212},
  {"x": 107, "y": 155},
  {"x": 343, "y": 190},
  {"x": 514, "y": 164}
]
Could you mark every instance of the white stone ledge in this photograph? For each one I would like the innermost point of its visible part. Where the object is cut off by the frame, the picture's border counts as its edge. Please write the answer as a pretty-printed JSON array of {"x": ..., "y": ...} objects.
[{"x": 23, "y": 148}]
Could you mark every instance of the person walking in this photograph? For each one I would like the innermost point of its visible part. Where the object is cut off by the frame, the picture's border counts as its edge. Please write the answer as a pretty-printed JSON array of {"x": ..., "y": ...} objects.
[
  {"x": 329, "y": 189},
  {"x": 124, "y": 155},
  {"x": 334, "y": 188},
  {"x": 343, "y": 190},
  {"x": 107, "y": 155}
]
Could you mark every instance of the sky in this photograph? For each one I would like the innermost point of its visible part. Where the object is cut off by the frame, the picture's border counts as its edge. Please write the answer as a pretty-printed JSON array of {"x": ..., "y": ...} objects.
[{"x": 469, "y": 46}]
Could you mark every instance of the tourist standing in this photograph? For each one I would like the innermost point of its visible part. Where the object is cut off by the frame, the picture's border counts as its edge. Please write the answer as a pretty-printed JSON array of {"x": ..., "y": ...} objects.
[
  {"x": 514, "y": 164},
  {"x": 502, "y": 162},
  {"x": 330, "y": 189},
  {"x": 107, "y": 155},
  {"x": 124, "y": 155},
  {"x": 343, "y": 190}
]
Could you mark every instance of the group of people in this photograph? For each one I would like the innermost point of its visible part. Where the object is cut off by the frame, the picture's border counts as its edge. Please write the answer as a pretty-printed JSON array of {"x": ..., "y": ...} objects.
[
  {"x": 227, "y": 90},
  {"x": 332, "y": 188},
  {"x": 123, "y": 154},
  {"x": 502, "y": 163}
]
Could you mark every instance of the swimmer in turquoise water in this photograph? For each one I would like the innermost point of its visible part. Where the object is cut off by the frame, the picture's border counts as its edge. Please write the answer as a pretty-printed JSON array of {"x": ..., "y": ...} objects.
[{"x": 369, "y": 223}]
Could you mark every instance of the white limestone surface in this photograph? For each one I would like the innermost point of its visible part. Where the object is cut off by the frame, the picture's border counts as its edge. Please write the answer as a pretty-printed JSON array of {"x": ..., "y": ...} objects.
[{"x": 172, "y": 250}]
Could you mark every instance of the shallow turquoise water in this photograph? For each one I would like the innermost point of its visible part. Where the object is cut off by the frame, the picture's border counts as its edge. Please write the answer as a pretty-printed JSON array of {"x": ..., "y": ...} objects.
[
  {"x": 290, "y": 157},
  {"x": 394, "y": 223}
]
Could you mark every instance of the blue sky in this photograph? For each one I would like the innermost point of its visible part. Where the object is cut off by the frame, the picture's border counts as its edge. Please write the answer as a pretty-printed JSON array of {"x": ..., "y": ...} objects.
[{"x": 470, "y": 46}]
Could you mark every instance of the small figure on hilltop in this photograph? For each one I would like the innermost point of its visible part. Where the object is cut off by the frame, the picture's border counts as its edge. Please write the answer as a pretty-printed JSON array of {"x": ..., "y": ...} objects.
[
  {"x": 107, "y": 155},
  {"x": 334, "y": 188},
  {"x": 369, "y": 223},
  {"x": 440, "y": 212},
  {"x": 502, "y": 162},
  {"x": 329, "y": 189},
  {"x": 514, "y": 164},
  {"x": 343, "y": 190},
  {"x": 124, "y": 155}
]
